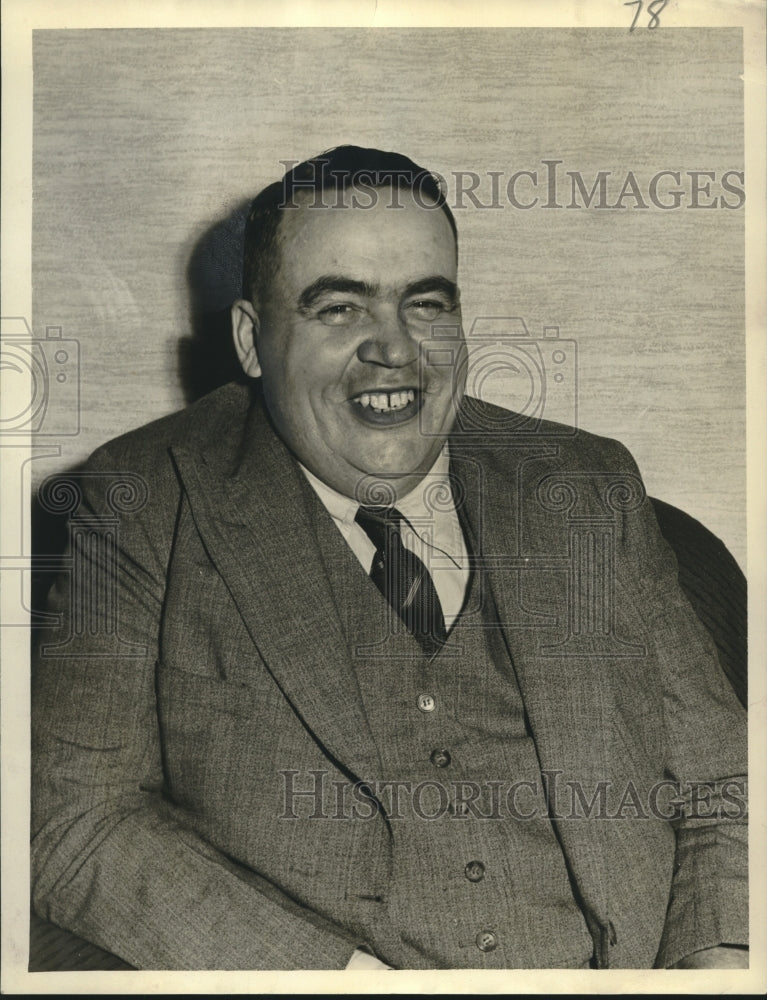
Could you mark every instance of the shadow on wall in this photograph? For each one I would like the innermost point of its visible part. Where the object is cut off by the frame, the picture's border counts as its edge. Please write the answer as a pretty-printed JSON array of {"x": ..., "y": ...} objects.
[{"x": 206, "y": 358}]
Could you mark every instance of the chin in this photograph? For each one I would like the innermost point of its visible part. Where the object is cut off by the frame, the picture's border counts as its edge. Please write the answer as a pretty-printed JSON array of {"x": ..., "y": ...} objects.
[
  {"x": 387, "y": 484},
  {"x": 404, "y": 462}
]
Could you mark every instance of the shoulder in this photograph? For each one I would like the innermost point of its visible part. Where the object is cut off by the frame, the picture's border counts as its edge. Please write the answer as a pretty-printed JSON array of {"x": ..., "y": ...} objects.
[
  {"x": 135, "y": 474},
  {"x": 216, "y": 419},
  {"x": 501, "y": 436}
]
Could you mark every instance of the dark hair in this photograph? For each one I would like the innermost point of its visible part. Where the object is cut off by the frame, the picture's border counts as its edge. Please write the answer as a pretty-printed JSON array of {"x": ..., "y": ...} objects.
[{"x": 335, "y": 170}]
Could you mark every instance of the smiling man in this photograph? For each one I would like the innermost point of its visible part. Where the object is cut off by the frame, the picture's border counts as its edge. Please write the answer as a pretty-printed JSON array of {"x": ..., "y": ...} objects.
[
  {"x": 375, "y": 700},
  {"x": 336, "y": 332}
]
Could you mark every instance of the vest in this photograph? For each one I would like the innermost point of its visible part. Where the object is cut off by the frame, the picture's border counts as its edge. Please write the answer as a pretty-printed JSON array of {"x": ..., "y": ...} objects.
[{"x": 477, "y": 875}]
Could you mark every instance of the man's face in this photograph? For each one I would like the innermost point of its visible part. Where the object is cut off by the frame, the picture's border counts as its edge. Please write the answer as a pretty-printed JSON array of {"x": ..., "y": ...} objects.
[{"x": 337, "y": 337}]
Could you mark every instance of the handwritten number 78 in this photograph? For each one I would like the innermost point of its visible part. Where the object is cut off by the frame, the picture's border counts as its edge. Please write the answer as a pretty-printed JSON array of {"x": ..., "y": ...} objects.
[{"x": 654, "y": 9}]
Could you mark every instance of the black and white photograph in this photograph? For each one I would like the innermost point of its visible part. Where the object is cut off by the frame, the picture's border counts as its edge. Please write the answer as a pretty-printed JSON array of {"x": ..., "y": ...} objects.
[{"x": 382, "y": 442}]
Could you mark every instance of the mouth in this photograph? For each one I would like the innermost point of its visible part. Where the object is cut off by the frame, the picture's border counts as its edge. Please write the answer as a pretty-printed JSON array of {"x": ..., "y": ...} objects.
[{"x": 385, "y": 407}]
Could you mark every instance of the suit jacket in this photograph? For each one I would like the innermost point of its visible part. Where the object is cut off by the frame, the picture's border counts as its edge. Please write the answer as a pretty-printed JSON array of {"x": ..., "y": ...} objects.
[{"x": 208, "y": 666}]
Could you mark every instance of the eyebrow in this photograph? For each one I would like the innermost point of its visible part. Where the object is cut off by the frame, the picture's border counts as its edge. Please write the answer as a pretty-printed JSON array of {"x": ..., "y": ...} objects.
[
  {"x": 434, "y": 283},
  {"x": 334, "y": 283},
  {"x": 349, "y": 286}
]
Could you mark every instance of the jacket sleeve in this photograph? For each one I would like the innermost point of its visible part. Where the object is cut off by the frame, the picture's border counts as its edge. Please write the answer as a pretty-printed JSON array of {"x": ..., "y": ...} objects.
[
  {"x": 706, "y": 740},
  {"x": 112, "y": 859}
]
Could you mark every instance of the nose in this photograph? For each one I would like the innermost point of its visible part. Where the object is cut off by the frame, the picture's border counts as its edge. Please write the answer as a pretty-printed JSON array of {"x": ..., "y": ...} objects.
[{"x": 388, "y": 341}]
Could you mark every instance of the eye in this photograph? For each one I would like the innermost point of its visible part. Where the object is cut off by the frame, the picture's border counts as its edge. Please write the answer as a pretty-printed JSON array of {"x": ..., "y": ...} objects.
[
  {"x": 427, "y": 310},
  {"x": 339, "y": 314}
]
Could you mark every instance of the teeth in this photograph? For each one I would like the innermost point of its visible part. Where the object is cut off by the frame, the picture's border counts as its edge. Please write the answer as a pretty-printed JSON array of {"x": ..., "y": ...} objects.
[{"x": 383, "y": 402}]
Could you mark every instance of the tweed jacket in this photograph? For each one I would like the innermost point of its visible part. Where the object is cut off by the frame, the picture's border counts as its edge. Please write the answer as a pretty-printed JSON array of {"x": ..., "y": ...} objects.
[{"x": 162, "y": 741}]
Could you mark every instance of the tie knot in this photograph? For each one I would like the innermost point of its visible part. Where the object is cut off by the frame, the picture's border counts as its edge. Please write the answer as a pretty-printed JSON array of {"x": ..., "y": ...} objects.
[{"x": 378, "y": 522}]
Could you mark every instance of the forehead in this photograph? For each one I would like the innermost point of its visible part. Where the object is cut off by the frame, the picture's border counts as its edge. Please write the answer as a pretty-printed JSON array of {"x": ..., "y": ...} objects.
[{"x": 365, "y": 233}]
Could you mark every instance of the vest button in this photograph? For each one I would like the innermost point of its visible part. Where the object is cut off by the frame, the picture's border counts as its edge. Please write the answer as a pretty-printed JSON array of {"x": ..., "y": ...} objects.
[
  {"x": 426, "y": 703},
  {"x": 440, "y": 758},
  {"x": 474, "y": 871},
  {"x": 486, "y": 941}
]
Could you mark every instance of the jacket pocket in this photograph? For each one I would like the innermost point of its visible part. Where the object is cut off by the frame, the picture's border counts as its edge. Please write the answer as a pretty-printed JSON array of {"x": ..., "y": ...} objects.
[{"x": 202, "y": 694}]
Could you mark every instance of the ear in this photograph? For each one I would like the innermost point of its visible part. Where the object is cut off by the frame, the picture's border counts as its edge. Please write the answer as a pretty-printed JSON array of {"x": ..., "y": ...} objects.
[{"x": 244, "y": 331}]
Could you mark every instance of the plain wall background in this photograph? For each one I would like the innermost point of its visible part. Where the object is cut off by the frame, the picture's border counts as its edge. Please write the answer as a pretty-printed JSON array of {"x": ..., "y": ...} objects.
[{"x": 145, "y": 139}]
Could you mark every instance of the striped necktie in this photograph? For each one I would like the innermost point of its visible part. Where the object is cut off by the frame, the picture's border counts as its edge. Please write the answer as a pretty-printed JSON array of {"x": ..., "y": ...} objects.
[{"x": 402, "y": 578}]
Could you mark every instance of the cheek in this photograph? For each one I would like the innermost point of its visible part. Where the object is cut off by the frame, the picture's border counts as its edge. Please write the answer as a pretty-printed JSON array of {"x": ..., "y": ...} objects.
[
  {"x": 309, "y": 403},
  {"x": 320, "y": 375},
  {"x": 289, "y": 379}
]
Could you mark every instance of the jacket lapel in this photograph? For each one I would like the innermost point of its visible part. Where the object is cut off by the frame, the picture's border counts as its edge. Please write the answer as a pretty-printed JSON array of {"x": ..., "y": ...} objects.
[{"x": 254, "y": 510}]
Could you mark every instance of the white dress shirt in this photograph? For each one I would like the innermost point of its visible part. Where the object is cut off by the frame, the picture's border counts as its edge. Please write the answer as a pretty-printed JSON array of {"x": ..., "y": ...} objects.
[{"x": 431, "y": 530}]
